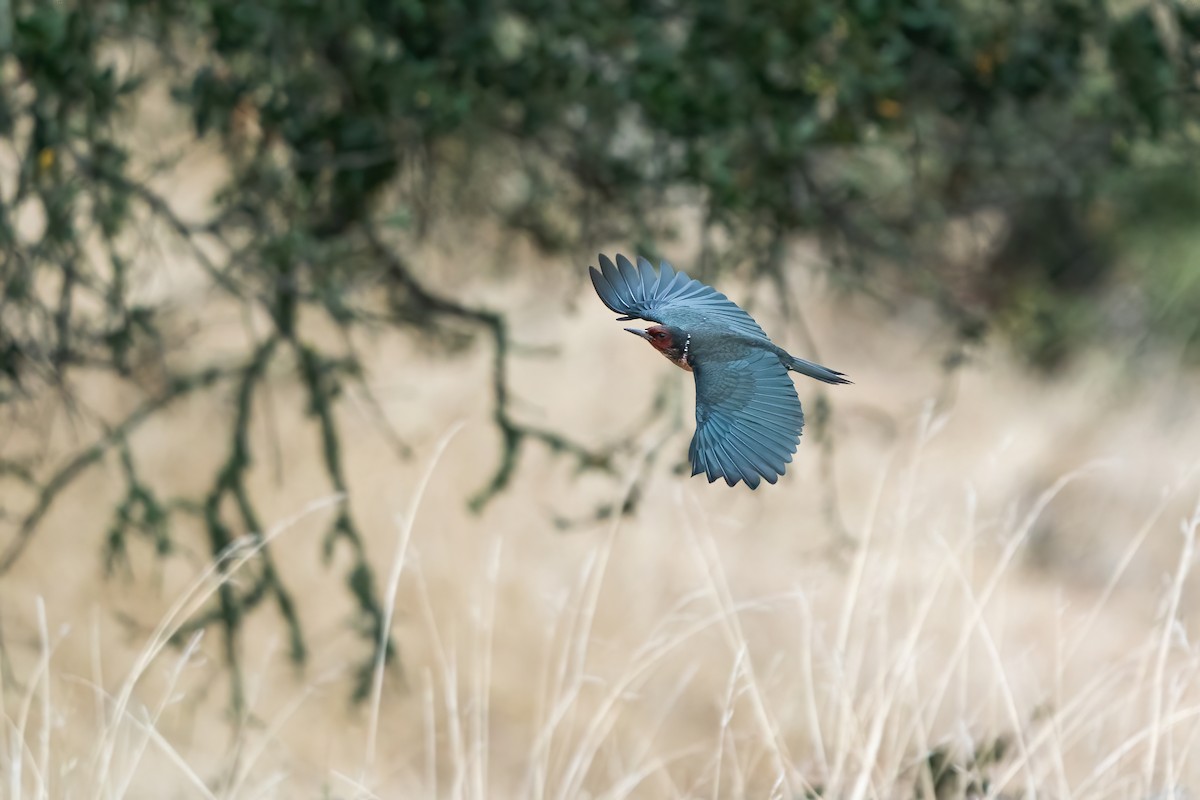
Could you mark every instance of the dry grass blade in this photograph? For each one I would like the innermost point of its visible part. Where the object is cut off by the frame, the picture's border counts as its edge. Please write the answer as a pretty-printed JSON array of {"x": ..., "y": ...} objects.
[
  {"x": 200, "y": 590},
  {"x": 405, "y": 524}
]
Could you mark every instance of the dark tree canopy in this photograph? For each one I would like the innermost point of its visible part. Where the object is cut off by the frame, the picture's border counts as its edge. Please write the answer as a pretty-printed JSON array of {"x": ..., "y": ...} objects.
[{"x": 351, "y": 128}]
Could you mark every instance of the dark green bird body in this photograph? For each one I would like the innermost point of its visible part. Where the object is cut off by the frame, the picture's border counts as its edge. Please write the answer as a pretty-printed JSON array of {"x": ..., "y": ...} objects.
[{"x": 748, "y": 416}]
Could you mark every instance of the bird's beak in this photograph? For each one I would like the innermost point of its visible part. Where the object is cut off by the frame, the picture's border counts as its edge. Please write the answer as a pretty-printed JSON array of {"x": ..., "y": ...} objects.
[{"x": 639, "y": 332}]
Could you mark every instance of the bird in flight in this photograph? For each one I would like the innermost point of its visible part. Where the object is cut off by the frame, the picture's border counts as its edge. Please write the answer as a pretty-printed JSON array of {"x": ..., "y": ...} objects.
[{"x": 748, "y": 417}]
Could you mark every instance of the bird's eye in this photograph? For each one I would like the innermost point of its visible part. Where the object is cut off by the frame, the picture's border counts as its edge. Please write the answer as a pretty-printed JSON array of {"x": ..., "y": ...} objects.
[{"x": 657, "y": 334}]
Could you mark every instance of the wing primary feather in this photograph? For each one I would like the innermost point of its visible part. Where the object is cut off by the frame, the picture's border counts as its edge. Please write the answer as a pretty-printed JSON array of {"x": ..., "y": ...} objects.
[
  {"x": 751, "y": 466},
  {"x": 677, "y": 283},
  {"x": 730, "y": 467},
  {"x": 649, "y": 279},
  {"x": 772, "y": 445},
  {"x": 666, "y": 274},
  {"x": 750, "y": 446},
  {"x": 777, "y": 396},
  {"x": 618, "y": 283},
  {"x": 774, "y": 418},
  {"x": 716, "y": 468},
  {"x": 733, "y": 468},
  {"x": 754, "y": 453},
  {"x": 786, "y": 436},
  {"x": 715, "y": 464},
  {"x": 611, "y": 274},
  {"x": 693, "y": 290},
  {"x": 764, "y": 460},
  {"x": 773, "y": 410},
  {"x": 713, "y": 467},
  {"x": 633, "y": 281},
  {"x": 607, "y": 266},
  {"x": 660, "y": 284},
  {"x": 787, "y": 416},
  {"x": 605, "y": 290},
  {"x": 696, "y": 453}
]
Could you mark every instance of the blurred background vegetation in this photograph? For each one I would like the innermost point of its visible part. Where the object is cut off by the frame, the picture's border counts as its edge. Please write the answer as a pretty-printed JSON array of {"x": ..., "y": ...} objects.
[{"x": 1027, "y": 168}]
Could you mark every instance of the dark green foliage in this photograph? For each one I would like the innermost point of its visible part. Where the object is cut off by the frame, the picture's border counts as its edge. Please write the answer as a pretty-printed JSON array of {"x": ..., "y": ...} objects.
[
  {"x": 1143, "y": 66},
  {"x": 351, "y": 128},
  {"x": 951, "y": 775}
]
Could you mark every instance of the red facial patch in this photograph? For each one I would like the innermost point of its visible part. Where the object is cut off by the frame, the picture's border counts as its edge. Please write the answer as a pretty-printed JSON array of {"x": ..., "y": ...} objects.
[{"x": 660, "y": 337}]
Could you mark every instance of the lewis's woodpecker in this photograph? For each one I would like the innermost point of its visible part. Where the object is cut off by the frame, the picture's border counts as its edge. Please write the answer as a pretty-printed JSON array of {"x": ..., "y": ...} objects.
[{"x": 748, "y": 417}]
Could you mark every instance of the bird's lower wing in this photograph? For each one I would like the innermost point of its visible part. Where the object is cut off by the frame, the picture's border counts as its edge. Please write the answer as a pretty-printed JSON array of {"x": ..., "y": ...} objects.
[{"x": 748, "y": 420}]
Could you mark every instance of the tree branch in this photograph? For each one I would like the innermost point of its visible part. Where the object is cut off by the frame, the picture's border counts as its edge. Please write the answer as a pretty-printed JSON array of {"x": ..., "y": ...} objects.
[
  {"x": 66, "y": 474},
  {"x": 512, "y": 433}
]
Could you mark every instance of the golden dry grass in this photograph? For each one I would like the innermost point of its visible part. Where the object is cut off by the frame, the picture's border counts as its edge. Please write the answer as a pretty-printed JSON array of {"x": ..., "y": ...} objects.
[{"x": 1020, "y": 578}]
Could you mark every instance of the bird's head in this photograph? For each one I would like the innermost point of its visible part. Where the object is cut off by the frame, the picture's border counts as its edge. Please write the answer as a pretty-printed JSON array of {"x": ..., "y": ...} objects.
[{"x": 671, "y": 342}]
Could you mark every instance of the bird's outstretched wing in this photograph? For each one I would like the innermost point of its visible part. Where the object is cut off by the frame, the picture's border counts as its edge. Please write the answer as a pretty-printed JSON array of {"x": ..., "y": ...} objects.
[
  {"x": 748, "y": 420},
  {"x": 666, "y": 297}
]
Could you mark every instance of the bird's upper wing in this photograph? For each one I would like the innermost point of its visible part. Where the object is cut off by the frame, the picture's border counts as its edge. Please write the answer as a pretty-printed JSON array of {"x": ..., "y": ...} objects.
[
  {"x": 666, "y": 297},
  {"x": 748, "y": 419}
]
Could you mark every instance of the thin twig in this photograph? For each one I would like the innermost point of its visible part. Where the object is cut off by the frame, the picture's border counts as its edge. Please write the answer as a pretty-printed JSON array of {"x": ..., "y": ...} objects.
[
  {"x": 66, "y": 474},
  {"x": 512, "y": 433}
]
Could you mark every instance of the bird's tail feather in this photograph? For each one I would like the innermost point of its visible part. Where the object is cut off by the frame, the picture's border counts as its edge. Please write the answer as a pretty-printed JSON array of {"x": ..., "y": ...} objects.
[{"x": 817, "y": 371}]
